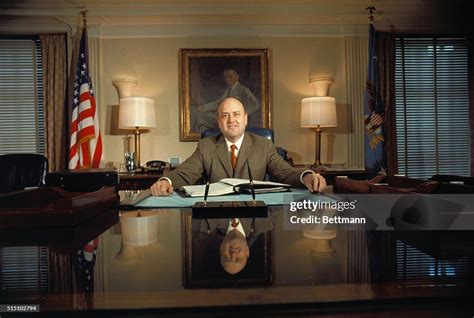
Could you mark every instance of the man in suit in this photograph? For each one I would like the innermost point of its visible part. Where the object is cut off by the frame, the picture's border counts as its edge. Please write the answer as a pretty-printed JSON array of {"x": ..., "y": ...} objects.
[
  {"x": 234, "y": 239},
  {"x": 228, "y": 154},
  {"x": 206, "y": 116}
]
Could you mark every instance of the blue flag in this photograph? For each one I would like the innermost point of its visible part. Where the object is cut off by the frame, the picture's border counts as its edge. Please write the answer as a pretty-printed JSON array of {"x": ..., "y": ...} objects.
[{"x": 374, "y": 141}]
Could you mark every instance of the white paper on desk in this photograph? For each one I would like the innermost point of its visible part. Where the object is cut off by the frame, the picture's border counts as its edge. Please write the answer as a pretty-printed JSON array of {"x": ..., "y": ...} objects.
[
  {"x": 216, "y": 188},
  {"x": 235, "y": 181},
  {"x": 226, "y": 186}
]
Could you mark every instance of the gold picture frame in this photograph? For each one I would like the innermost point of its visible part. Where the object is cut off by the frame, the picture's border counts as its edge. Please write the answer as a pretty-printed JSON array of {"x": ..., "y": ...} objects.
[{"x": 208, "y": 75}]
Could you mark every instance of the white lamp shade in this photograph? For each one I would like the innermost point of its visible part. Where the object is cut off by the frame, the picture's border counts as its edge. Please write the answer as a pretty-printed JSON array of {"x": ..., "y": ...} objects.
[
  {"x": 139, "y": 230},
  {"x": 318, "y": 111},
  {"x": 137, "y": 112}
]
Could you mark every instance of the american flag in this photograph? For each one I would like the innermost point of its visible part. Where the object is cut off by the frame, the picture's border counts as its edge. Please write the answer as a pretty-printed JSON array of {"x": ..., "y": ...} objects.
[
  {"x": 86, "y": 258},
  {"x": 86, "y": 144},
  {"x": 84, "y": 269}
]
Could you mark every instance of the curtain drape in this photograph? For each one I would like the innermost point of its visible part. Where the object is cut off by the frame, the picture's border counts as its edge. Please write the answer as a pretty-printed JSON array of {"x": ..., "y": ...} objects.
[
  {"x": 54, "y": 56},
  {"x": 385, "y": 49},
  {"x": 356, "y": 57}
]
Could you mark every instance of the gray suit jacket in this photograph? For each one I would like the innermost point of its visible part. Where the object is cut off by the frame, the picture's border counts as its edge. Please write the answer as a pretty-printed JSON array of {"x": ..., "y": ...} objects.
[{"x": 259, "y": 151}]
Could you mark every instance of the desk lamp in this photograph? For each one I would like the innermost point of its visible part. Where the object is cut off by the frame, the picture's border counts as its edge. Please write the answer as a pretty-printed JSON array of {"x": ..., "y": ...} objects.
[
  {"x": 319, "y": 112},
  {"x": 136, "y": 113}
]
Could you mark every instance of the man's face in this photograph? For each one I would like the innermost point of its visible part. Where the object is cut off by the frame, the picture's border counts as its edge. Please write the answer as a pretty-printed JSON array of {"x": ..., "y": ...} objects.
[
  {"x": 230, "y": 77},
  {"x": 234, "y": 252},
  {"x": 232, "y": 119}
]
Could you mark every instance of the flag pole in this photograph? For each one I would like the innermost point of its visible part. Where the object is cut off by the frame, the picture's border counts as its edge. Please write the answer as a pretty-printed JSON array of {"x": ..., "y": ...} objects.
[
  {"x": 85, "y": 150},
  {"x": 374, "y": 140}
]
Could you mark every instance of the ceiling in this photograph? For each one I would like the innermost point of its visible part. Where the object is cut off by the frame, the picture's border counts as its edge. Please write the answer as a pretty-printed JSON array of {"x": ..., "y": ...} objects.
[{"x": 440, "y": 16}]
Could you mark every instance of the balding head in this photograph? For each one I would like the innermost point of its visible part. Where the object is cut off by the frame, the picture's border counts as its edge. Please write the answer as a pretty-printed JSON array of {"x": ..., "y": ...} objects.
[
  {"x": 234, "y": 252},
  {"x": 232, "y": 118}
]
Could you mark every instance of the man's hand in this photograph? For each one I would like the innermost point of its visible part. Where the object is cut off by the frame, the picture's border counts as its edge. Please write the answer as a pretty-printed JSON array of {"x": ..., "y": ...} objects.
[
  {"x": 314, "y": 182},
  {"x": 161, "y": 188}
]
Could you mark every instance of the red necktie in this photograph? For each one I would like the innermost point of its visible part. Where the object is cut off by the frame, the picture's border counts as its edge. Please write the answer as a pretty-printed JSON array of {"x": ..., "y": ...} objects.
[
  {"x": 234, "y": 223},
  {"x": 233, "y": 157}
]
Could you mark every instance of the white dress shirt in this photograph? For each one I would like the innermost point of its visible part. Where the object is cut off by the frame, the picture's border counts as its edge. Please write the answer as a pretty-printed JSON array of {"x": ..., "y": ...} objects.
[
  {"x": 239, "y": 227},
  {"x": 238, "y": 144}
]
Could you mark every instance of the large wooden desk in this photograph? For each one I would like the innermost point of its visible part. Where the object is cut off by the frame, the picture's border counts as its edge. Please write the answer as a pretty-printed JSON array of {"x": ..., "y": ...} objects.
[
  {"x": 151, "y": 281},
  {"x": 331, "y": 174},
  {"x": 54, "y": 206},
  {"x": 142, "y": 181}
]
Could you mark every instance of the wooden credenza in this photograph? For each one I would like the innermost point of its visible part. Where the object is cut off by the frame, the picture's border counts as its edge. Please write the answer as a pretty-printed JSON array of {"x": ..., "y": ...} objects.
[{"x": 137, "y": 180}]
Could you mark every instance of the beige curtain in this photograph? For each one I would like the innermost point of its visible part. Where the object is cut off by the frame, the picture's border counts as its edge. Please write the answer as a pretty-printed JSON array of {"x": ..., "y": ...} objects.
[
  {"x": 54, "y": 54},
  {"x": 356, "y": 57}
]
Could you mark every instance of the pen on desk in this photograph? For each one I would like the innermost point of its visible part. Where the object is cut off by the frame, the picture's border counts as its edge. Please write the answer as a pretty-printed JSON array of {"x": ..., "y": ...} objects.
[
  {"x": 208, "y": 183},
  {"x": 252, "y": 189}
]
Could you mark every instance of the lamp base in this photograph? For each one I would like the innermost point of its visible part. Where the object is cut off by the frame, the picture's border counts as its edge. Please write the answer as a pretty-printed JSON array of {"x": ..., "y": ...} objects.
[
  {"x": 317, "y": 160},
  {"x": 137, "y": 146},
  {"x": 323, "y": 247}
]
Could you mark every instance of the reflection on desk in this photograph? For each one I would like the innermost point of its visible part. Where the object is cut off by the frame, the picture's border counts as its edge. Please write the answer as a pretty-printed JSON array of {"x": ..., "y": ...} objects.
[
  {"x": 176, "y": 200},
  {"x": 368, "y": 268}
]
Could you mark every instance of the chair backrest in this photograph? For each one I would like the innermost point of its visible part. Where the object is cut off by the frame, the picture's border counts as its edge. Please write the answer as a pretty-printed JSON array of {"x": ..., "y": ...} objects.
[
  {"x": 264, "y": 132},
  {"x": 19, "y": 171}
]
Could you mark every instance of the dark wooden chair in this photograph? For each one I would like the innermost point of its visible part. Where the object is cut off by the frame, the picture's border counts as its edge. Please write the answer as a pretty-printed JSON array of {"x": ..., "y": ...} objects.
[{"x": 22, "y": 170}]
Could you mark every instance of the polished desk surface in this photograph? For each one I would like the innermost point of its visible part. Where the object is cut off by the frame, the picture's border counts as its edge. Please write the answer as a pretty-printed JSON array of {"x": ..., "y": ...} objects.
[
  {"x": 151, "y": 276},
  {"x": 144, "y": 180}
]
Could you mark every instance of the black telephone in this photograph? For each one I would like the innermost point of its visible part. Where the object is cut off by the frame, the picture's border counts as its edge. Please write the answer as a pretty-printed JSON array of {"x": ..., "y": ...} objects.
[{"x": 155, "y": 166}]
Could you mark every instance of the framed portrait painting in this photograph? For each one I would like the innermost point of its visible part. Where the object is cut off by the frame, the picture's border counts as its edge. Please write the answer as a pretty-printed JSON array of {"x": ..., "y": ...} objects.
[
  {"x": 210, "y": 75},
  {"x": 206, "y": 247}
]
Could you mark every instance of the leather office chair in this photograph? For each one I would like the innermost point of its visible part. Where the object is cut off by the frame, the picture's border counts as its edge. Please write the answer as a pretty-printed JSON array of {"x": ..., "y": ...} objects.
[{"x": 19, "y": 171}]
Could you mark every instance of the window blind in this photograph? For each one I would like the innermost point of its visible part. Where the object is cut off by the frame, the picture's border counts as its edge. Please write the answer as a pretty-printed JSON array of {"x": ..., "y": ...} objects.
[
  {"x": 24, "y": 272},
  {"x": 416, "y": 268},
  {"x": 432, "y": 106},
  {"x": 21, "y": 90}
]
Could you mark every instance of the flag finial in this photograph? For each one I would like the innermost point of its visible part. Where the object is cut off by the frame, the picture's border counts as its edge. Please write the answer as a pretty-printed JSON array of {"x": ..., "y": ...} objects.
[
  {"x": 371, "y": 11},
  {"x": 84, "y": 17}
]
